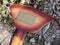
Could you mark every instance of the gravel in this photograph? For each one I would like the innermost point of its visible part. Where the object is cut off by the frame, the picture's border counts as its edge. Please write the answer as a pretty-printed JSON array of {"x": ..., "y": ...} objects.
[{"x": 5, "y": 35}]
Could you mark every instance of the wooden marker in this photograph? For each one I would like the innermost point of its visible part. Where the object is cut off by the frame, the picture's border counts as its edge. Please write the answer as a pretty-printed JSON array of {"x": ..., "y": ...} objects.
[{"x": 27, "y": 19}]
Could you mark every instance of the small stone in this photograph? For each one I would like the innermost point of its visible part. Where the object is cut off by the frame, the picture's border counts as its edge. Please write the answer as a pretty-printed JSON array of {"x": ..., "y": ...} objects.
[
  {"x": 32, "y": 40},
  {"x": 46, "y": 28},
  {"x": 35, "y": 6},
  {"x": 39, "y": 37},
  {"x": 4, "y": 21}
]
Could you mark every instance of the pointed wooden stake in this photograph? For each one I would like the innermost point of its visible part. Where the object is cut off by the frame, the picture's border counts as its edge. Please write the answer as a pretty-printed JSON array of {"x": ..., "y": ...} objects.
[{"x": 18, "y": 37}]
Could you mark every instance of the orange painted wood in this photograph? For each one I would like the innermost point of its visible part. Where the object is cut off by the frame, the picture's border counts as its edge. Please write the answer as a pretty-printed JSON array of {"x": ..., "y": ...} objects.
[
  {"x": 18, "y": 37},
  {"x": 40, "y": 21}
]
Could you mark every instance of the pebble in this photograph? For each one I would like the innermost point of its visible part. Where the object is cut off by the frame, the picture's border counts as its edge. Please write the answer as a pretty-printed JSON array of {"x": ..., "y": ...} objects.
[
  {"x": 32, "y": 40},
  {"x": 39, "y": 37},
  {"x": 4, "y": 21}
]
